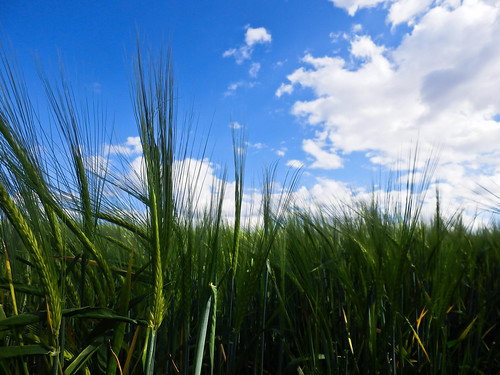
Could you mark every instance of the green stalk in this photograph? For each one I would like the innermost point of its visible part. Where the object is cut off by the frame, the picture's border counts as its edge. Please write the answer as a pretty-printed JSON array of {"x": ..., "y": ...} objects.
[
  {"x": 149, "y": 358},
  {"x": 263, "y": 318},
  {"x": 239, "y": 153},
  {"x": 212, "y": 330},
  {"x": 119, "y": 334}
]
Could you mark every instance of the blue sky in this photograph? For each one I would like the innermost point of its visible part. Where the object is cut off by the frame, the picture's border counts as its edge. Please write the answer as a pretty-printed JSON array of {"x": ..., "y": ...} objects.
[{"x": 342, "y": 88}]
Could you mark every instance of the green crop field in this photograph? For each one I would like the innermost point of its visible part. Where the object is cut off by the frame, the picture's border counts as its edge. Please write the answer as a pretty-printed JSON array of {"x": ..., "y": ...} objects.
[{"x": 99, "y": 276}]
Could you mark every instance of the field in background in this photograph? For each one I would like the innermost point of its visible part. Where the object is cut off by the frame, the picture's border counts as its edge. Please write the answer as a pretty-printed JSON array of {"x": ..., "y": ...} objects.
[{"x": 104, "y": 275}]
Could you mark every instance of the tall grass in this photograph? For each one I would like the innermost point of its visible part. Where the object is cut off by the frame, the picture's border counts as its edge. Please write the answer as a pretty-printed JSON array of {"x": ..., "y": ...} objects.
[{"x": 137, "y": 277}]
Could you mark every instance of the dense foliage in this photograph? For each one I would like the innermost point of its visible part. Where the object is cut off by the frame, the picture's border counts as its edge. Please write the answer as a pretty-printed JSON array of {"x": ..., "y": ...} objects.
[{"x": 100, "y": 275}]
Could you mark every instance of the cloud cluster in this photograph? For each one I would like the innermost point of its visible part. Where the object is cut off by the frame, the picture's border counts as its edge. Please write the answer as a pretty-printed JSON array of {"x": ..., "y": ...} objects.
[
  {"x": 253, "y": 36},
  {"x": 399, "y": 11},
  {"x": 437, "y": 88}
]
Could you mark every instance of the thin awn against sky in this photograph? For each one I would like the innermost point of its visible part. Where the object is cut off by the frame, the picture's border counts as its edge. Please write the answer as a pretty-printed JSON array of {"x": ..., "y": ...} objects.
[{"x": 340, "y": 88}]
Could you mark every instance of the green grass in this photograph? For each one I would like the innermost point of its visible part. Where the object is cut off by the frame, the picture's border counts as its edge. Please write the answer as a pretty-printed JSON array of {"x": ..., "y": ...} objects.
[{"x": 101, "y": 287}]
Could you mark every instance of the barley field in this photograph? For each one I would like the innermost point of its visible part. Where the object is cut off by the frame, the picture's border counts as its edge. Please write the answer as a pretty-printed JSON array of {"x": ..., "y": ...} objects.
[{"x": 104, "y": 276}]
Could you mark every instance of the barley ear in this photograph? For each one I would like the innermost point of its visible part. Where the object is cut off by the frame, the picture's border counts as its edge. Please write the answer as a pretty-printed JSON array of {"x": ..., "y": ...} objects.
[{"x": 47, "y": 276}]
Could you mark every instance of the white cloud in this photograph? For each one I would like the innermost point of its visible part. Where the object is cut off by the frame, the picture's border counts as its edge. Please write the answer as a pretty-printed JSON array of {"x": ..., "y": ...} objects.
[
  {"x": 335, "y": 36},
  {"x": 280, "y": 63},
  {"x": 352, "y": 6},
  {"x": 231, "y": 89},
  {"x": 356, "y": 28},
  {"x": 258, "y": 35},
  {"x": 257, "y": 145},
  {"x": 138, "y": 168},
  {"x": 439, "y": 88},
  {"x": 330, "y": 196},
  {"x": 194, "y": 181},
  {"x": 254, "y": 69},
  {"x": 241, "y": 54},
  {"x": 364, "y": 47},
  {"x": 324, "y": 159},
  {"x": 98, "y": 164},
  {"x": 407, "y": 10},
  {"x": 284, "y": 89},
  {"x": 197, "y": 183},
  {"x": 253, "y": 36},
  {"x": 294, "y": 163},
  {"x": 235, "y": 125},
  {"x": 324, "y": 193},
  {"x": 132, "y": 146}
]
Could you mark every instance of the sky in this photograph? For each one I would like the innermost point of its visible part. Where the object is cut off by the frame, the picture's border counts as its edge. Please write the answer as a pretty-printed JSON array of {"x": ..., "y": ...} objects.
[{"x": 344, "y": 90}]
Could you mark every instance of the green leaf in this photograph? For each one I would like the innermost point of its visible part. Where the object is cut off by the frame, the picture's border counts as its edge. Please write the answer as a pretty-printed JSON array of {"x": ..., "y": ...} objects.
[
  {"x": 24, "y": 350},
  {"x": 201, "y": 337},
  {"x": 99, "y": 313},
  {"x": 22, "y": 320},
  {"x": 203, "y": 332},
  {"x": 81, "y": 312},
  {"x": 212, "y": 329},
  {"x": 22, "y": 289},
  {"x": 84, "y": 356}
]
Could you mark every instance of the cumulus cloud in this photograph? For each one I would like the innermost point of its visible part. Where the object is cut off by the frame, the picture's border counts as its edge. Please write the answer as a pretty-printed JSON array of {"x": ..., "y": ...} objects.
[
  {"x": 258, "y": 35},
  {"x": 325, "y": 157},
  {"x": 197, "y": 183},
  {"x": 352, "y": 6},
  {"x": 284, "y": 89},
  {"x": 253, "y": 36},
  {"x": 438, "y": 87},
  {"x": 405, "y": 11},
  {"x": 294, "y": 164},
  {"x": 325, "y": 193},
  {"x": 330, "y": 195}
]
